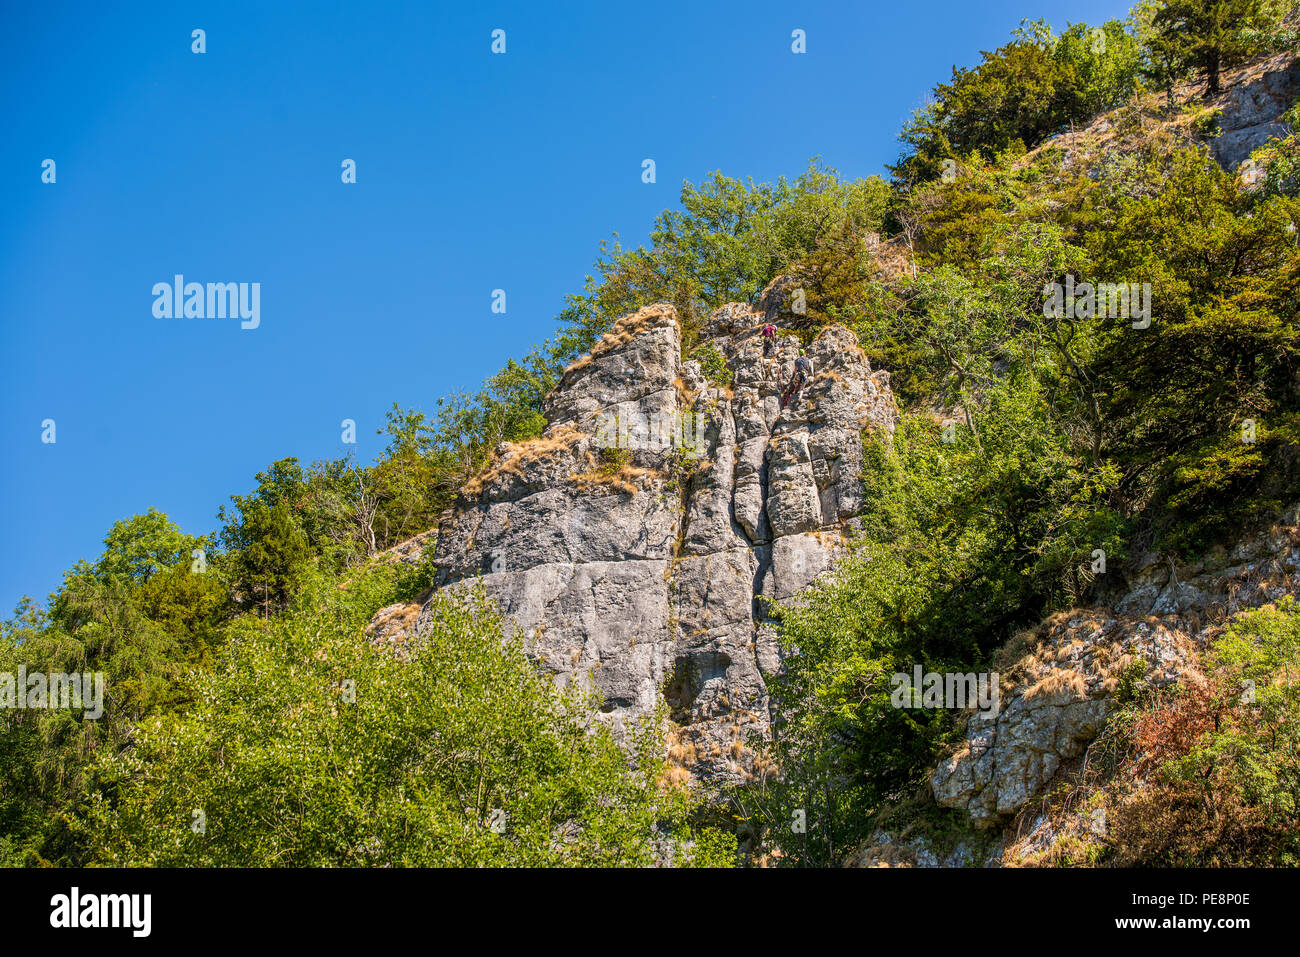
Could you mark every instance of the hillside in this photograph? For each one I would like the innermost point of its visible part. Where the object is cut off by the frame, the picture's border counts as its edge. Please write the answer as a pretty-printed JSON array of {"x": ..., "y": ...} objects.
[{"x": 986, "y": 558}]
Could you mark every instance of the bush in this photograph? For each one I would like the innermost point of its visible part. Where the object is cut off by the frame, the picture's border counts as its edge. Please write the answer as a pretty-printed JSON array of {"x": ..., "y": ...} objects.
[
  {"x": 714, "y": 365},
  {"x": 309, "y": 746},
  {"x": 1224, "y": 757}
]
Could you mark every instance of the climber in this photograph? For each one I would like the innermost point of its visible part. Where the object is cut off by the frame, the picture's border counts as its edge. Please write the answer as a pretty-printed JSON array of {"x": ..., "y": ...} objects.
[
  {"x": 769, "y": 341},
  {"x": 803, "y": 370}
]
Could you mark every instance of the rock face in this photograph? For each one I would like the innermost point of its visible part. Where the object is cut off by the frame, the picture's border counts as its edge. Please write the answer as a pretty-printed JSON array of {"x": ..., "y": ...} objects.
[
  {"x": 1251, "y": 110},
  {"x": 1062, "y": 696},
  {"x": 1255, "y": 571},
  {"x": 642, "y": 571},
  {"x": 1062, "y": 692}
]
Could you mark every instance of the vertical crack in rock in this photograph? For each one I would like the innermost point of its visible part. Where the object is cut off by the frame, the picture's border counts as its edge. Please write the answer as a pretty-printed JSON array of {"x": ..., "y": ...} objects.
[{"x": 639, "y": 581}]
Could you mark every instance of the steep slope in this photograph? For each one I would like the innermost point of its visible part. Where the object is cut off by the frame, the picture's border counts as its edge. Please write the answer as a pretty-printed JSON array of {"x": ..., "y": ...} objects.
[
  {"x": 1247, "y": 115},
  {"x": 1020, "y": 778},
  {"x": 643, "y": 570}
]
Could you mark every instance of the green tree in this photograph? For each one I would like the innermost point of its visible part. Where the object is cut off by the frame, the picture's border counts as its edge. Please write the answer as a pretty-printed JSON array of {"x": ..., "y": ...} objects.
[
  {"x": 141, "y": 615},
  {"x": 264, "y": 536},
  {"x": 1016, "y": 97},
  {"x": 1224, "y": 272},
  {"x": 1105, "y": 61},
  {"x": 1212, "y": 35},
  {"x": 726, "y": 243},
  {"x": 141, "y": 546},
  {"x": 310, "y": 746}
]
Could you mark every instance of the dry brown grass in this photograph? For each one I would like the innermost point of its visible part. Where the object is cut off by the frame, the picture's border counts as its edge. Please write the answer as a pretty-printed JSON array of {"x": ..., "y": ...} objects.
[
  {"x": 675, "y": 777},
  {"x": 682, "y": 752},
  {"x": 578, "y": 364},
  {"x": 685, "y": 397},
  {"x": 765, "y": 768},
  {"x": 629, "y": 479},
  {"x": 518, "y": 457},
  {"x": 626, "y": 329},
  {"x": 682, "y": 756},
  {"x": 1019, "y": 653},
  {"x": 1057, "y": 682},
  {"x": 394, "y": 623},
  {"x": 1144, "y": 121}
]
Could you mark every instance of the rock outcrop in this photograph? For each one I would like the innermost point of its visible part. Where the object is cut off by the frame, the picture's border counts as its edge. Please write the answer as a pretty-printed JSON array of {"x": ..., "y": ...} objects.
[
  {"x": 1062, "y": 691},
  {"x": 1246, "y": 112},
  {"x": 1063, "y": 694},
  {"x": 1251, "y": 109},
  {"x": 643, "y": 570}
]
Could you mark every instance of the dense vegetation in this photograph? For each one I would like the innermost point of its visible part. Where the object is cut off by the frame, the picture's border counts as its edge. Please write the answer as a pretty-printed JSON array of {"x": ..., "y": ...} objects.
[
  {"x": 1075, "y": 430},
  {"x": 1205, "y": 775},
  {"x": 241, "y": 684}
]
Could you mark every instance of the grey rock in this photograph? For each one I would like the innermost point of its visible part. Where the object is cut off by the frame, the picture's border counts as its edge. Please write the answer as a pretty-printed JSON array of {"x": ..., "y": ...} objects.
[
  {"x": 797, "y": 560},
  {"x": 1052, "y": 711},
  {"x": 1231, "y": 149},
  {"x": 1250, "y": 112},
  {"x": 793, "y": 504},
  {"x": 647, "y": 586}
]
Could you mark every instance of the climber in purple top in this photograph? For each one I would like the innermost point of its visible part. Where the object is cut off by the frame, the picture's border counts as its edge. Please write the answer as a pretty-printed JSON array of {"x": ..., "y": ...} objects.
[{"x": 769, "y": 341}]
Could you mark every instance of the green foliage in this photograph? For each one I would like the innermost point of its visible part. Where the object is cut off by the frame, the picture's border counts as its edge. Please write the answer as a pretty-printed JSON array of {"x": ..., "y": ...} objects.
[
  {"x": 614, "y": 460},
  {"x": 270, "y": 553},
  {"x": 463, "y": 754},
  {"x": 1226, "y": 783},
  {"x": 714, "y": 365},
  {"x": 1213, "y": 35},
  {"x": 1106, "y": 62},
  {"x": 144, "y": 545},
  {"x": 1279, "y": 160},
  {"x": 725, "y": 244},
  {"x": 1021, "y": 94},
  {"x": 1163, "y": 64},
  {"x": 1225, "y": 277},
  {"x": 1206, "y": 124},
  {"x": 142, "y": 615}
]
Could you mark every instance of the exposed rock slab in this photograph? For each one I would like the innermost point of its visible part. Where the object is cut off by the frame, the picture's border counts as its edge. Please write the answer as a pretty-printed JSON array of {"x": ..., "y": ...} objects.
[
  {"x": 1062, "y": 695},
  {"x": 638, "y": 575}
]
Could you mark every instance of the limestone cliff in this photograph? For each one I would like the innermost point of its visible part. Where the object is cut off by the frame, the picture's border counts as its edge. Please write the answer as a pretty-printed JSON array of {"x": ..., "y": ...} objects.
[{"x": 643, "y": 571}]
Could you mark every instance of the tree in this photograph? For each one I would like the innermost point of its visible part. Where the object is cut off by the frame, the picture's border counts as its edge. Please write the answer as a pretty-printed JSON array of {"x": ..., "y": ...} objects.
[
  {"x": 1017, "y": 96},
  {"x": 140, "y": 615},
  {"x": 726, "y": 243},
  {"x": 1161, "y": 49},
  {"x": 1211, "y": 35},
  {"x": 264, "y": 536},
  {"x": 270, "y": 553},
  {"x": 1221, "y": 349},
  {"x": 1105, "y": 62},
  {"x": 310, "y": 746},
  {"x": 141, "y": 546}
]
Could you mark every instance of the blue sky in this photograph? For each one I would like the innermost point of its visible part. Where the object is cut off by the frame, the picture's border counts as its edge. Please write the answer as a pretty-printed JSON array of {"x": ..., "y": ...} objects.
[{"x": 474, "y": 172}]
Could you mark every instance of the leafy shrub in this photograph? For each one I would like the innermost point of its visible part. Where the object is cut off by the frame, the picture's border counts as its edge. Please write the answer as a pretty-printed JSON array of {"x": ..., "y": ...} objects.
[
  {"x": 310, "y": 746},
  {"x": 1226, "y": 763},
  {"x": 614, "y": 460},
  {"x": 1206, "y": 124},
  {"x": 714, "y": 365}
]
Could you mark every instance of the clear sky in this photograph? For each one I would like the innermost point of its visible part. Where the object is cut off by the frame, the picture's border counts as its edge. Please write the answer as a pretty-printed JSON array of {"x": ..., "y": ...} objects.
[{"x": 474, "y": 172}]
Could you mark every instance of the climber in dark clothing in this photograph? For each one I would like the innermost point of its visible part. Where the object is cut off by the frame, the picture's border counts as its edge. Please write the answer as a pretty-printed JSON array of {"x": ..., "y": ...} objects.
[{"x": 803, "y": 370}]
